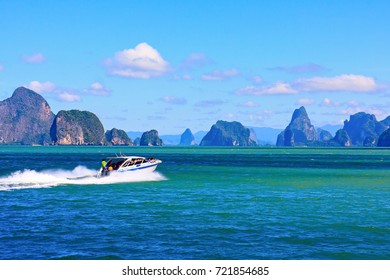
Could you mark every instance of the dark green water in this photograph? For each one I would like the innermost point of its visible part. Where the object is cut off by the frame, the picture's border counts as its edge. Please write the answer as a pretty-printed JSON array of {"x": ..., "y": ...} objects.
[{"x": 204, "y": 203}]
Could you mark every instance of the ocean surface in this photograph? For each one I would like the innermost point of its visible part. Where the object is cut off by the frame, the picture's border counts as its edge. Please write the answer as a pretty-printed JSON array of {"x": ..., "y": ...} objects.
[{"x": 201, "y": 203}]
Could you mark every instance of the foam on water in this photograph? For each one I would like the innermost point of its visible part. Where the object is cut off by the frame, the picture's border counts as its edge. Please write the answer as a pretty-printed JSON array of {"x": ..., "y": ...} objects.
[{"x": 81, "y": 175}]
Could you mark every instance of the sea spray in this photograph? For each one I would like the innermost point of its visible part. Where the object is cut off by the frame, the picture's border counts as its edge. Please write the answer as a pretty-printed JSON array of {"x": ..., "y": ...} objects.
[{"x": 80, "y": 175}]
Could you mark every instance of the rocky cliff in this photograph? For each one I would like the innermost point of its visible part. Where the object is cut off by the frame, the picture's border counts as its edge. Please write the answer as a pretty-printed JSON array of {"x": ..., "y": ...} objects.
[
  {"x": 228, "y": 134},
  {"x": 76, "y": 127},
  {"x": 253, "y": 136},
  {"x": 323, "y": 135},
  {"x": 150, "y": 138},
  {"x": 117, "y": 137},
  {"x": 25, "y": 118},
  {"x": 300, "y": 131},
  {"x": 384, "y": 139},
  {"x": 187, "y": 138},
  {"x": 341, "y": 139},
  {"x": 137, "y": 141},
  {"x": 364, "y": 129},
  {"x": 386, "y": 122}
]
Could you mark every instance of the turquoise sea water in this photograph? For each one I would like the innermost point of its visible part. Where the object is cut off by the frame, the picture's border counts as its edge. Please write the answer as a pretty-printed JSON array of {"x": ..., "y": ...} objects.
[{"x": 203, "y": 203}]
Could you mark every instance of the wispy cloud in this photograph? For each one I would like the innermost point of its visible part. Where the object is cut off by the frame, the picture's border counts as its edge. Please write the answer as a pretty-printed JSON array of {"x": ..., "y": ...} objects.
[
  {"x": 34, "y": 58},
  {"x": 50, "y": 89},
  {"x": 194, "y": 60},
  {"x": 259, "y": 116},
  {"x": 41, "y": 87},
  {"x": 232, "y": 116},
  {"x": 249, "y": 104},
  {"x": 256, "y": 79},
  {"x": 329, "y": 103},
  {"x": 97, "y": 89},
  {"x": 68, "y": 96},
  {"x": 156, "y": 118},
  {"x": 341, "y": 83},
  {"x": 1, "y": 67},
  {"x": 306, "y": 101},
  {"x": 209, "y": 103},
  {"x": 278, "y": 88},
  {"x": 353, "y": 103},
  {"x": 300, "y": 69},
  {"x": 353, "y": 83},
  {"x": 173, "y": 100},
  {"x": 142, "y": 62},
  {"x": 220, "y": 75},
  {"x": 185, "y": 77},
  {"x": 377, "y": 111}
]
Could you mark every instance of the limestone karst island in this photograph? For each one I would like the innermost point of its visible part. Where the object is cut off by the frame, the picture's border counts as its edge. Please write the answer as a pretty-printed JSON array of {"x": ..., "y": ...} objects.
[{"x": 26, "y": 119}]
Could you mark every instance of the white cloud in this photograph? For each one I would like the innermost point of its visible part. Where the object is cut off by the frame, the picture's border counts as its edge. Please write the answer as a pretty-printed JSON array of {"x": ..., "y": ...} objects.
[
  {"x": 329, "y": 103},
  {"x": 349, "y": 83},
  {"x": 194, "y": 60},
  {"x": 298, "y": 69},
  {"x": 249, "y": 104},
  {"x": 354, "y": 83},
  {"x": 209, "y": 103},
  {"x": 256, "y": 79},
  {"x": 351, "y": 111},
  {"x": 39, "y": 87},
  {"x": 68, "y": 97},
  {"x": 143, "y": 62},
  {"x": 378, "y": 111},
  {"x": 50, "y": 89},
  {"x": 260, "y": 116},
  {"x": 97, "y": 89},
  {"x": 275, "y": 89},
  {"x": 34, "y": 58},
  {"x": 353, "y": 103},
  {"x": 173, "y": 100},
  {"x": 185, "y": 77},
  {"x": 220, "y": 75},
  {"x": 231, "y": 115},
  {"x": 306, "y": 101}
]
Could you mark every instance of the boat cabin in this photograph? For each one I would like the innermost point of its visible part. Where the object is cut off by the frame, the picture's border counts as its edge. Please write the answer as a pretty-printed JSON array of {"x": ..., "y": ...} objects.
[{"x": 121, "y": 162}]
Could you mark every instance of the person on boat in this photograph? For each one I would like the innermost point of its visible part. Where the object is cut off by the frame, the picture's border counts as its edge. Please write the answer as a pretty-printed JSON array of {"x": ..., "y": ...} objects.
[{"x": 104, "y": 166}]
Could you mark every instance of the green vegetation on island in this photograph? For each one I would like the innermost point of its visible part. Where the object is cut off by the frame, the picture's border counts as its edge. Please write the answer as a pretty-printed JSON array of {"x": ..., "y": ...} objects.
[
  {"x": 228, "y": 134},
  {"x": 150, "y": 138},
  {"x": 76, "y": 127},
  {"x": 117, "y": 137}
]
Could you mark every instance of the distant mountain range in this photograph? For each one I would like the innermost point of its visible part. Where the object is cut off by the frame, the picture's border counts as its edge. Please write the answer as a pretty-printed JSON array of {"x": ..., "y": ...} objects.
[
  {"x": 169, "y": 139},
  {"x": 265, "y": 135},
  {"x": 26, "y": 119}
]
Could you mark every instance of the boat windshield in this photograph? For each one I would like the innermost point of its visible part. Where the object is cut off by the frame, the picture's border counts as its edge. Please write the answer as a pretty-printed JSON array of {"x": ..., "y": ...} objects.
[
  {"x": 115, "y": 163},
  {"x": 134, "y": 161}
]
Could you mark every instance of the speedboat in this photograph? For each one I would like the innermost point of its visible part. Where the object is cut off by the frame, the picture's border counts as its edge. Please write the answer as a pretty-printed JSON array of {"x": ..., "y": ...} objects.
[{"x": 128, "y": 163}]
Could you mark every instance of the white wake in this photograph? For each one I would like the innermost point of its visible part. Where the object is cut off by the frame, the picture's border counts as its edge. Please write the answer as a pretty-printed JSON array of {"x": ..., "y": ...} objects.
[{"x": 81, "y": 175}]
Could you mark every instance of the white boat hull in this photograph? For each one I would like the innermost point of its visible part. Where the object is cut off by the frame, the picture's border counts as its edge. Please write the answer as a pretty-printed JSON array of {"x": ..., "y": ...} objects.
[{"x": 144, "y": 168}]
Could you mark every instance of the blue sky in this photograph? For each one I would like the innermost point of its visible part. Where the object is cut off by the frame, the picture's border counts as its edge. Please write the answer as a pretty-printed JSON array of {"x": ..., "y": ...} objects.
[{"x": 169, "y": 65}]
